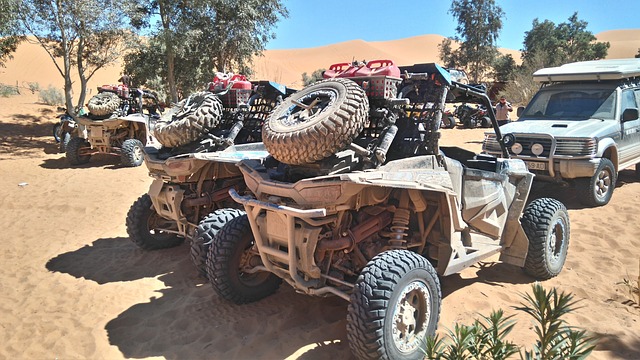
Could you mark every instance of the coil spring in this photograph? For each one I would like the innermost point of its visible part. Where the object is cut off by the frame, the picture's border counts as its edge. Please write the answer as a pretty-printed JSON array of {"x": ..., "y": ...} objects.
[{"x": 399, "y": 227}]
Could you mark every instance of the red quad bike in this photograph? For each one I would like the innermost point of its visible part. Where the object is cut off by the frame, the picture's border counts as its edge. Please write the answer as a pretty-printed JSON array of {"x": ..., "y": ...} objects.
[
  {"x": 360, "y": 201},
  {"x": 192, "y": 179}
]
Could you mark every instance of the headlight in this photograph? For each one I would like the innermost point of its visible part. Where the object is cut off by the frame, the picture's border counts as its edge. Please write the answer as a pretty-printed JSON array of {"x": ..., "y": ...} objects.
[
  {"x": 537, "y": 149},
  {"x": 516, "y": 148}
]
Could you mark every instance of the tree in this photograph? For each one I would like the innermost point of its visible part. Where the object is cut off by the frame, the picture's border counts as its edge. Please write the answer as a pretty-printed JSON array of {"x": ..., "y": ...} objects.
[
  {"x": 503, "y": 68},
  {"x": 316, "y": 75},
  {"x": 552, "y": 45},
  {"x": 479, "y": 23},
  {"x": 9, "y": 38},
  {"x": 206, "y": 36},
  {"x": 85, "y": 35}
]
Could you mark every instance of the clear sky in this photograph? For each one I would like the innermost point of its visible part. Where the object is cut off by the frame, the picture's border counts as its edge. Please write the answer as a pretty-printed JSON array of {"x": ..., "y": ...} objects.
[{"x": 314, "y": 23}]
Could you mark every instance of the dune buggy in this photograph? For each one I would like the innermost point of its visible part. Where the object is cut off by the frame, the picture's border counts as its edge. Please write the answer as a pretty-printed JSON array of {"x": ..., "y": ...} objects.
[{"x": 379, "y": 211}]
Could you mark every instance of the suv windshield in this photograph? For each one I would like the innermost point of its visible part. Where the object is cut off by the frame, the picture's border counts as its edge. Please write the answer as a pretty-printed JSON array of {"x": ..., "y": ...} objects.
[{"x": 572, "y": 103}]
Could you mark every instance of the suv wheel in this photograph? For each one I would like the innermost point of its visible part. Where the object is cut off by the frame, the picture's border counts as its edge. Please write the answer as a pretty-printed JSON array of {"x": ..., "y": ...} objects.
[{"x": 597, "y": 190}]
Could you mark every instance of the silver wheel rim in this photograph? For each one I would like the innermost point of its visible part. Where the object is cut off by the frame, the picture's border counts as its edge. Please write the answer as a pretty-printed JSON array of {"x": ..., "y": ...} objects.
[
  {"x": 137, "y": 153},
  {"x": 555, "y": 243},
  {"x": 411, "y": 317},
  {"x": 603, "y": 183},
  {"x": 319, "y": 101}
]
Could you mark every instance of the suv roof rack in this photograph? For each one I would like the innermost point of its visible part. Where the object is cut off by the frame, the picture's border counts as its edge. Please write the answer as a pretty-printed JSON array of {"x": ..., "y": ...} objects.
[{"x": 594, "y": 70}]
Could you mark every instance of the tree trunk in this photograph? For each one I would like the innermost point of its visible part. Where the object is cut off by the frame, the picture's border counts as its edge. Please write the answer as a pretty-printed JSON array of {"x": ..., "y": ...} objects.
[
  {"x": 170, "y": 53},
  {"x": 81, "y": 75}
]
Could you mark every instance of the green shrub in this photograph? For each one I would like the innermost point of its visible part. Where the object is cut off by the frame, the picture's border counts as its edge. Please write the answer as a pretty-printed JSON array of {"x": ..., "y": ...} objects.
[
  {"x": 33, "y": 87},
  {"x": 485, "y": 339},
  {"x": 52, "y": 96},
  {"x": 7, "y": 90}
]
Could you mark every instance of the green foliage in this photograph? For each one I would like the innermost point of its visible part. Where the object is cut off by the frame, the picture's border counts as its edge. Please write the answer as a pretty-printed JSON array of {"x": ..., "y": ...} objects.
[
  {"x": 504, "y": 67},
  {"x": 316, "y": 75},
  {"x": 198, "y": 38},
  {"x": 479, "y": 24},
  {"x": 485, "y": 339},
  {"x": 80, "y": 36},
  {"x": 567, "y": 42},
  {"x": 33, "y": 87},
  {"x": 8, "y": 90},
  {"x": 556, "y": 340},
  {"x": 10, "y": 37},
  {"x": 51, "y": 96}
]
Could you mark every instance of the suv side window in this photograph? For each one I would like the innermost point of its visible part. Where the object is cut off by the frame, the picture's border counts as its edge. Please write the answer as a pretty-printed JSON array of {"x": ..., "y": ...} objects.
[{"x": 628, "y": 100}]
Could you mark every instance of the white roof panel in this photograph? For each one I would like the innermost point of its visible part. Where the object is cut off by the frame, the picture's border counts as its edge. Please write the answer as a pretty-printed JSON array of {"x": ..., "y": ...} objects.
[{"x": 611, "y": 69}]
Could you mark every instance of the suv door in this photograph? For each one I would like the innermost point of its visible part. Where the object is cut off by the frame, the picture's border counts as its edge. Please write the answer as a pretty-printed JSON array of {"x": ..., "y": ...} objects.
[{"x": 629, "y": 146}]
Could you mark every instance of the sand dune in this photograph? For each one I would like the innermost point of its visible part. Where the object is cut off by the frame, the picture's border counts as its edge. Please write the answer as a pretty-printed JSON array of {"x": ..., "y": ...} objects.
[{"x": 32, "y": 64}]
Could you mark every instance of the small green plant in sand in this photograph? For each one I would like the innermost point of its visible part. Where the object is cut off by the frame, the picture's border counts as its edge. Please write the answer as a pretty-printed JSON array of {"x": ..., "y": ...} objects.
[
  {"x": 33, "y": 87},
  {"x": 52, "y": 96},
  {"x": 7, "y": 90},
  {"x": 486, "y": 338}
]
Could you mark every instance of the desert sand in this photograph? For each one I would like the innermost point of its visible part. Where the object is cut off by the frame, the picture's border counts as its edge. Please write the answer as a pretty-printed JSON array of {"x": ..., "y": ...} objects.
[{"x": 73, "y": 286}]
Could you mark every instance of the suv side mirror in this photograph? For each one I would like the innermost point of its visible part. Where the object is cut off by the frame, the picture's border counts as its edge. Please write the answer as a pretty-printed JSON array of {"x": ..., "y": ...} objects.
[
  {"x": 520, "y": 110},
  {"x": 630, "y": 114}
]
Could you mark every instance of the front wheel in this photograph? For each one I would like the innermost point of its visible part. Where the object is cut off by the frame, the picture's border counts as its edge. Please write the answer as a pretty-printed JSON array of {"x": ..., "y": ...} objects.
[
  {"x": 230, "y": 257},
  {"x": 206, "y": 232},
  {"x": 394, "y": 306},
  {"x": 132, "y": 154},
  {"x": 598, "y": 189},
  {"x": 74, "y": 151},
  {"x": 145, "y": 226},
  {"x": 546, "y": 223}
]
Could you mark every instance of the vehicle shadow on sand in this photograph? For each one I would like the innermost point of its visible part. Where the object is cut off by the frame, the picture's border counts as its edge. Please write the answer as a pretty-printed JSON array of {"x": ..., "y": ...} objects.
[
  {"x": 99, "y": 160},
  {"x": 189, "y": 320},
  {"x": 28, "y": 137}
]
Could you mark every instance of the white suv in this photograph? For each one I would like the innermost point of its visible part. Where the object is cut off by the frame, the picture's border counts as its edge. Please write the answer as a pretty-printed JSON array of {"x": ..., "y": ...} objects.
[{"x": 581, "y": 128}]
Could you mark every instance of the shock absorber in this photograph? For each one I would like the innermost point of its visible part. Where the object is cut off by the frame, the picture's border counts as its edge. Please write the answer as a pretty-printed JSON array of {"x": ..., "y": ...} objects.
[{"x": 399, "y": 227}]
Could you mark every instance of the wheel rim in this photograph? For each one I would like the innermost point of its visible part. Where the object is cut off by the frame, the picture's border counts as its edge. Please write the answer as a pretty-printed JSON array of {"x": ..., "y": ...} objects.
[
  {"x": 603, "y": 183},
  {"x": 555, "y": 243},
  {"x": 410, "y": 317},
  {"x": 137, "y": 154},
  {"x": 248, "y": 260},
  {"x": 156, "y": 224},
  {"x": 308, "y": 107}
]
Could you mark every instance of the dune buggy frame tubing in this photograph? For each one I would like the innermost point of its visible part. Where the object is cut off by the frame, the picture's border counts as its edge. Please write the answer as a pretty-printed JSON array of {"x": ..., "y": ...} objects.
[{"x": 289, "y": 215}]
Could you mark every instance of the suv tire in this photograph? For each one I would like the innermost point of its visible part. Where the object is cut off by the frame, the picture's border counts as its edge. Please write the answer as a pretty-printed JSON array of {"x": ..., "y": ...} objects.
[{"x": 598, "y": 189}]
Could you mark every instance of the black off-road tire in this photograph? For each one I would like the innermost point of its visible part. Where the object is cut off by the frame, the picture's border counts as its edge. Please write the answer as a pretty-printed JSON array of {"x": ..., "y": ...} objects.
[
  {"x": 449, "y": 122},
  {"x": 387, "y": 280},
  {"x": 140, "y": 223},
  {"x": 224, "y": 265},
  {"x": 104, "y": 104},
  {"x": 132, "y": 154},
  {"x": 546, "y": 223},
  {"x": 189, "y": 120},
  {"x": 598, "y": 189},
  {"x": 295, "y": 136},
  {"x": 206, "y": 232},
  {"x": 485, "y": 122},
  {"x": 638, "y": 171},
  {"x": 73, "y": 151}
]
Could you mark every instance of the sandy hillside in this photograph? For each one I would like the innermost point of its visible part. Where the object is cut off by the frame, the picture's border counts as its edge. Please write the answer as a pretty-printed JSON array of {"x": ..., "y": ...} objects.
[
  {"x": 32, "y": 64},
  {"x": 73, "y": 286}
]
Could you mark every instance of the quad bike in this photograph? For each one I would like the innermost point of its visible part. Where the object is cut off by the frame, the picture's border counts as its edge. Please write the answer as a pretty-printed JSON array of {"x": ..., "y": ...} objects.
[
  {"x": 192, "y": 180},
  {"x": 380, "y": 212},
  {"x": 64, "y": 129},
  {"x": 116, "y": 126},
  {"x": 473, "y": 116}
]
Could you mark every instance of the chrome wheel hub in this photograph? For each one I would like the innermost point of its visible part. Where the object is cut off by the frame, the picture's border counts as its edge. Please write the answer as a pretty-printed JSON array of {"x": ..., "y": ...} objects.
[{"x": 411, "y": 317}]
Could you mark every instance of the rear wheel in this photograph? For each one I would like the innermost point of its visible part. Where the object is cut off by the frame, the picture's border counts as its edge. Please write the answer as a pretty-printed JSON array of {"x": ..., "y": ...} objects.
[
  {"x": 145, "y": 226},
  {"x": 74, "y": 151},
  {"x": 132, "y": 154},
  {"x": 598, "y": 189},
  {"x": 485, "y": 122},
  {"x": 546, "y": 223},
  {"x": 231, "y": 256},
  {"x": 394, "y": 306},
  {"x": 448, "y": 122},
  {"x": 206, "y": 232},
  {"x": 316, "y": 122}
]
